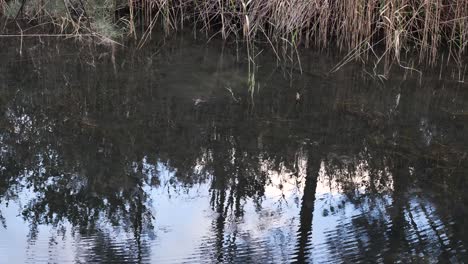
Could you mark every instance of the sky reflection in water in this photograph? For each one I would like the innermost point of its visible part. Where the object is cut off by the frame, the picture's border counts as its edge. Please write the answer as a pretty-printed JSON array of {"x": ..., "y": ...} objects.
[{"x": 164, "y": 157}]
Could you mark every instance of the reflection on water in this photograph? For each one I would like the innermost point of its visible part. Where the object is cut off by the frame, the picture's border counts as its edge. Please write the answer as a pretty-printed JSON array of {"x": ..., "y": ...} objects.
[{"x": 161, "y": 156}]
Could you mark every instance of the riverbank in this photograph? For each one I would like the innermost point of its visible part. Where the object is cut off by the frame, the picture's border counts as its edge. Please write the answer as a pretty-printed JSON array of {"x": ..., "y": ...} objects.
[{"x": 431, "y": 33}]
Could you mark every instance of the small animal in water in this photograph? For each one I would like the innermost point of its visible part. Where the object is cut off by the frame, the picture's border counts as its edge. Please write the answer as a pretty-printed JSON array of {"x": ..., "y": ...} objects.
[{"x": 198, "y": 101}]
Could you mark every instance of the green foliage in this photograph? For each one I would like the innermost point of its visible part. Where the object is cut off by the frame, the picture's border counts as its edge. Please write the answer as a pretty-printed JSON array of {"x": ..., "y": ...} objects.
[
  {"x": 11, "y": 9},
  {"x": 106, "y": 28},
  {"x": 55, "y": 8}
]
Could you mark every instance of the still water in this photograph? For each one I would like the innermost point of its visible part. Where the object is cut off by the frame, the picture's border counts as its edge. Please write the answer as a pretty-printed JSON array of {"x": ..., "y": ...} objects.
[{"x": 163, "y": 155}]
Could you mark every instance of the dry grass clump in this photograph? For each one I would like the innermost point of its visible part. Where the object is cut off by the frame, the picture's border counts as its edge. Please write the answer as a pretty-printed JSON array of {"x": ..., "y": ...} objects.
[
  {"x": 426, "y": 26},
  {"x": 358, "y": 26}
]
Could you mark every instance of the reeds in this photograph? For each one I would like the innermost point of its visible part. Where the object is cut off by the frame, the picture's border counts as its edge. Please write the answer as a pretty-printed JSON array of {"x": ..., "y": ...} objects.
[{"x": 363, "y": 27}]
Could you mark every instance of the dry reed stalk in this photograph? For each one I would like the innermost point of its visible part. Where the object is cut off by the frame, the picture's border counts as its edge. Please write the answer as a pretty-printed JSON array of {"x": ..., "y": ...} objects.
[{"x": 424, "y": 26}]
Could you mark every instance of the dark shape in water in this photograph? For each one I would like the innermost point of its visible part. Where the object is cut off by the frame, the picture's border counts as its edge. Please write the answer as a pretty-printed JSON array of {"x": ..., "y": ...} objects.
[{"x": 122, "y": 166}]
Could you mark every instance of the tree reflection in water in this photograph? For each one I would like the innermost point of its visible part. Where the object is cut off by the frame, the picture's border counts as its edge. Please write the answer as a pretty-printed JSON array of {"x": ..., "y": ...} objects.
[{"x": 349, "y": 172}]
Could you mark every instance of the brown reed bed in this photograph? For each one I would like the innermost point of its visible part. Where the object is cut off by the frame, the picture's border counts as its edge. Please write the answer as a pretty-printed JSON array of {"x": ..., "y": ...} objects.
[{"x": 362, "y": 28}]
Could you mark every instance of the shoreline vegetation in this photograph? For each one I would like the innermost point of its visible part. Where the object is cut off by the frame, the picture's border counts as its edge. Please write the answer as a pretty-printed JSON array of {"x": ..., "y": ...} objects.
[{"x": 430, "y": 32}]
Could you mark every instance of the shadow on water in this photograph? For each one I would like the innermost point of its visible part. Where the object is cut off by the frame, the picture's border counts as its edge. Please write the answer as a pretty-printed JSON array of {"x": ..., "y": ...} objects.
[{"x": 160, "y": 156}]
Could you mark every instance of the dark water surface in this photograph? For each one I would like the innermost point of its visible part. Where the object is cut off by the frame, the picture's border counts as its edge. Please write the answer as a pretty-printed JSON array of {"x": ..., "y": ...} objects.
[{"x": 163, "y": 156}]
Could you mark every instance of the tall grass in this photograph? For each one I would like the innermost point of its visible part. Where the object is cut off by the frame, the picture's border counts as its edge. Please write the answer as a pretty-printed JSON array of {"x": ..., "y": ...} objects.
[
  {"x": 398, "y": 26},
  {"x": 358, "y": 26}
]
